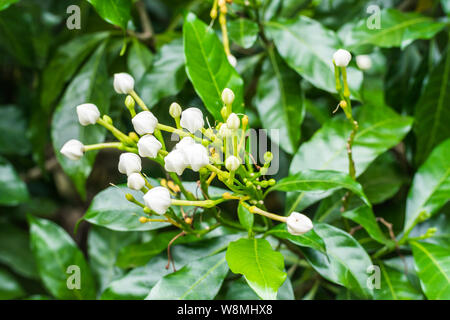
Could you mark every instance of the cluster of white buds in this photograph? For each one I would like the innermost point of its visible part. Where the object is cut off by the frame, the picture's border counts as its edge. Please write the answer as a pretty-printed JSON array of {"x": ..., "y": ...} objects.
[
  {"x": 342, "y": 58},
  {"x": 186, "y": 153}
]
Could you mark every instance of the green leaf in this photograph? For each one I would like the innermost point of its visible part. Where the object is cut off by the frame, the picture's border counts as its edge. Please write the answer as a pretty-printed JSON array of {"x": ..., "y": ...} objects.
[
  {"x": 199, "y": 280},
  {"x": 103, "y": 248},
  {"x": 166, "y": 76},
  {"x": 243, "y": 31},
  {"x": 91, "y": 85},
  {"x": 6, "y": 3},
  {"x": 279, "y": 101},
  {"x": 431, "y": 185},
  {"x": 446, "y": 6},
  {"x": 310, "y": 239},
  {"x": 13, "y": 190},
  {"x": 139, "y": 59},
  {"x": 54, "y": 251},
  {"x": 320, "y": 180},
  {"x": 433, "y": 267},
  {"x": 364, "y": 216},
  {"x": 15, "y": 251},
  {"x": 345, "y": 261},
  {"x": 310, "y": 51},
  {"x": 397, "y": 29},
  {"x": 208, "y": 68},
  {"x": 259, "y": 263},
  {"x": 65, "y": 63},
  {"x": 117, "y": 12},
  {"x": 13, "y": 138},
  {"x": 110, "y": 209},
  {"x": 10, "y": 288},
  {"x": 394, "y": 285},
  {"x": 246, "y": 218},
  {"x": 433, "y": 110}
]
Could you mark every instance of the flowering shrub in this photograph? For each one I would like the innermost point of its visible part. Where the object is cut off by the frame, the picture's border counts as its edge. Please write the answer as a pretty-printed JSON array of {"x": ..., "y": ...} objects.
[{"x": 225, "y": 150}]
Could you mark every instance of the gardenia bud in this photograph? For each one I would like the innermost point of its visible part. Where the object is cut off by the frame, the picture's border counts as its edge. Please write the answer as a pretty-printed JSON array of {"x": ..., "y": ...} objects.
[
  {"x": 129, "y": 102},
  {"x": 175, "y": 162},
  {"x": 232, "y": 163},
  {"x": 175, "y": 110},
  {"x": 196, "y": 156},
  {"x": 232, "y": 60},
  {"x": 233, "y": 121},
  {"x": 88, "y": 113},
  {"x": 158, "y": 199},
  {"x": 192, "y": 119},
  {"x": 73, "y": 149},
  {"x": 342, "y": 58},
  {"x": 227, "y": 96},
  {"x": 364, "y": 62},
  {"x": 123, "y": 83},
  {"x": 224, "y": 131},
  {"x": 148, "y": 146},
  {"x": 186, "y": 142},
  {"x": 298, "y": 224},
  {"x": 144, "y": 122},
  {"x": 129, "y": 163},
  {"x": 135, "y": 181}
]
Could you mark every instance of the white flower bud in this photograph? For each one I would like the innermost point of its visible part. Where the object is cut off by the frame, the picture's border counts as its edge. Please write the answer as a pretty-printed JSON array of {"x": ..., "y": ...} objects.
[
  {"x": 175, "y": 110},
  {"x": 129, "y": 163},
  {"x": 135, "y": 181},
  {"x": 232, "y": 60},
  {"x": 298, "y": 224},
  {"x": 342, "y": 58},
  {"x": 233, "y": 121},
  {"x": 88, "y": 113},
  {"x": 364, "y": 62},
  {"x": 148, "y": 146},
  {"x": 123, "y": 83},
  {"x": 144, "y": 122},
  {"x": 185, "y": 142},
  {"x": 224, "y": 131},
  {"x": 227, "y": 96},
  {"x": 232, "y": 163},
  {"x": 158, "y": 199},
  {"x": 175, "y": 162},
  {"x": 196, "y": 156},
  {"x": 73, "y": 149},
  {"x": 192, "y": 119}
]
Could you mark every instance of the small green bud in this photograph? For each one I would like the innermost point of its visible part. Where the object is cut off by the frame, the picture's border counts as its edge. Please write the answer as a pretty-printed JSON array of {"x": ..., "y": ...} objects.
[
  {"x": 129, "y": 197},
  {"x": 129, "y": 102},
  {"x": 272, "y": 182},
  {"x": 224, "y": 113},
  {"x": 147, "y": 210},
  {"x": 424, "y": 215},
  {"x": 133, "y": 136},
  {"x": 264, "y": 183},
  {"x": 248, "y": 184},
  {"x": 175, "y": 110},
  {"x": 268, "y": 156},
  {"x": 107, "y": 119}
]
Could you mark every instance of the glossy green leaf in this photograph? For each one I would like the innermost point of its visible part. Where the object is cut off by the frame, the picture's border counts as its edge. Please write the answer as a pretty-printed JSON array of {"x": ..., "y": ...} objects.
[
  {"x": 55, "y": 251},
  {"x": 345, "y": 261},
  {"x": 310, "y": 239},
  {"x": 208, "y": 68},
  {"x": 365, "y": 217},
  {"x": 430, "y": 188},
  {"x": 320, "y": 180},
  {"x": 279, "y": 101},
  {"x": 243, "y": 31},
  {"x": 433, "y": 110},
  {"x": 13, "y": 138},
  {"x": 65, "y": 63},
  {"x": 446, "y": 6},
  {"x": 15, "y": 251},
  {"x": 117, "y": 12},
  {"x": 91, "y": 85},
  {"x": 246, "y": 218},
  {"x": 10, "y": 288},
  {"x": 308, "y": 48},
  {"x": 139, "y": 59},
  {"x": 12, "y": 189},
  {"x": 397, "y": 29},
  {"x": 198, "y": 280},
  {"x": 110, "y": 209},
  {"x": 433, "y": 267},
  {"x": 259, "y": 263},
  {"x": 166, "y": 76},
  {"x": 6, "y": 3},
  {"x": 394, "y": 285}
]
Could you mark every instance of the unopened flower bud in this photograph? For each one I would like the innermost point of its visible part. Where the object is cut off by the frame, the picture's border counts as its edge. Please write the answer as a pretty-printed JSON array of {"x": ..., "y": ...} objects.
[
  {"x": 364, "y": 62},
  {"x": 107, "y": 119},
  {"x": 232, "y": 60},
  {"x": 129, "y": 163},
  {"x": 298, "y": 224},
  {"x": 196, "y": 156},
  {"x": 232, "y": 163},
  {"x": 158, "y": 199},
  {"x": 88, "y": 113},
  {"x": 144, "y": 122},
  {"x": 224, "y": 131},
  {"x": 268, "y": 156},
  {"x": 123, "y": 83},
  {"x": 133, "y": 136},
  {"x": 143, "y": 219},
  {"x": 73, "y": 149},
  {"x": 244, "y": 121},
  {"x": 192, "y": 119},
  {"x": 342, "y": 58},
  {"x": 135, "y": 181},
  {"x": 129, "y": 197},
  {"x": 175, "y": 110},
  {"x": 233, "y": 121},
  {"x": 149, "y": 146},
  {"x": 227, "y": 96},
  {"x": 175, "y": 162},
  {"x": 129, "y": 102}
]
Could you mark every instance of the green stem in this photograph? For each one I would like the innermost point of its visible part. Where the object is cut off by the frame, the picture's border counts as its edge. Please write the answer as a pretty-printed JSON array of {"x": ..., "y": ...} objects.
[
  {"x": 106, "y": 145},
  {"x": 139, "y": 100}
]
